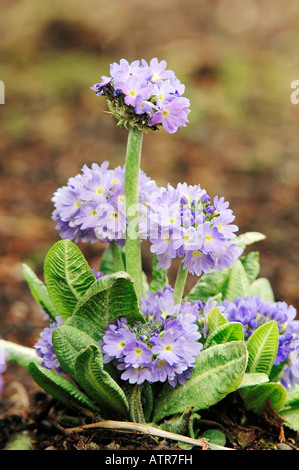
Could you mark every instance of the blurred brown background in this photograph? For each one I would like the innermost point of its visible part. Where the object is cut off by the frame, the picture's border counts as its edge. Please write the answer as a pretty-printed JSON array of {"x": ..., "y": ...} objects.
[{"x": 237, "y": 60}]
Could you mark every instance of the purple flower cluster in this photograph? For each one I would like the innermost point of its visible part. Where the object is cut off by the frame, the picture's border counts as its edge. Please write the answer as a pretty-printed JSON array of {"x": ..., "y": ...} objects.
[
  {"x": 183, "y": 222},
  {"x": 91, "y": 206},
  {"x": 163, "y": 348},
  {"x": 146, "y": 90},
  {"x": 253, "y": 312},
  {"x": 2, "y": 367},
  {"x": 44, "y": 347}
]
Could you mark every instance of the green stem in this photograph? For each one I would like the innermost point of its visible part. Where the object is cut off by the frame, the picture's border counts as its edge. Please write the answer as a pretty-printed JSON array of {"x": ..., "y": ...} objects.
[
  {"x": 133, "y": 249},
  {"x": 117, "y": 257},
  {"x": 180, "y": 283}
]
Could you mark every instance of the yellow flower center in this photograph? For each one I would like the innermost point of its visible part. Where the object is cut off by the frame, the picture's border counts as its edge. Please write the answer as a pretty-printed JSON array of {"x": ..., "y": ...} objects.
[
  {"x": 208, "y": 238},
  {"x": 186, "y": 238},
  {"x": 160, "y": 96},
  {"x": 77, "y": 205},
  {"x": 197, "y": 253},
  {"x": 168, "y": 348},
  {"x": 133, "y": 93},
  {"x": 99, "y": 191},
  {"x": 94, "y": 213},
  {"x": 165, "y": 113},
  {"x": 138, "y": 351}
]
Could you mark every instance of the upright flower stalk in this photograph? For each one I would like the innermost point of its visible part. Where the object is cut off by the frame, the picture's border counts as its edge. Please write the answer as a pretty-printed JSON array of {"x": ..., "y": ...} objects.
[
  {"x": 132, "y": 243},
  {"x": 180, "y": 283}
]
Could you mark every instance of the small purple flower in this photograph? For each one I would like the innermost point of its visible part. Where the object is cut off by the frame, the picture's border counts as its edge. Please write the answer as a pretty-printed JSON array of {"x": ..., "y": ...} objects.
[
  {"x": 163, "y": 348},
  {"x": 44, "y": 347},
  {"x": 2, "y": 367},
  {"x": 151, "y": 89}
]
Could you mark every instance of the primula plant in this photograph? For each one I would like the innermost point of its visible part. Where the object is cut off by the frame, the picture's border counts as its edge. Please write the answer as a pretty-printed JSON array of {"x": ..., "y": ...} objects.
[{"x": 121, "y": 347}]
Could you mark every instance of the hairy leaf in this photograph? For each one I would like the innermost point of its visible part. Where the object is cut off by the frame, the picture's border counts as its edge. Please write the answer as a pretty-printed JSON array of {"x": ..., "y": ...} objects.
[
  {"x": 39, "y": 291},
  {"x": 255, "y": 398},
  {"x": 219, "y": 370},
  {"x": 232, "y": 331},
  {"x": 209, "y": 285},
  {"x": 60, "y": 388},
  {"x": 109, "y": 298},
  {"x": 263, "y": 289},
  {"x": 99, "y": 385},
  {"x": 249, "y": 238},
  {"x": 67, "y": 276},
  {"x": 262, "y": 348},
  {"x": 238, "y": 283},
  {"x": 68, "y": 342},
  {"x": 253, "y": 379},
  {"x": 215, "y": 319},
  {"x": 251, "y": 265}
]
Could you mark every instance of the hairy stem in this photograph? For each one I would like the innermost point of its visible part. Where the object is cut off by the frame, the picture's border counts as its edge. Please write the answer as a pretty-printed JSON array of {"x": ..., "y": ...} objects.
[
  {"x": 136, "y": 409},
  {"x": 180, "y": 283},
  {"x": 22, "y": 355},
  {"x": 133, "y": 249}
]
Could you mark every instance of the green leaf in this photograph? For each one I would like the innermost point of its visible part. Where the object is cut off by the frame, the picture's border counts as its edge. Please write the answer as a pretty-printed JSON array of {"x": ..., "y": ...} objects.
[
  {"x": 262, "y": 348},
  {"x": 60, "y": 388},
  {"x": 219, "y": 370},
  {"x": 15, "y": 352},
  {"x": 109, "y": 298},
  {"x": 238, "y": 283},
  {"x": 291, "y": 415},
  {"x": 255, "y": 398},
  {"x": 39, "y": 291},
  {"x": 251, "y": 379},
  {"x": 160, "y": 279},
  {"x": 232, "y": 331},
  {"x": 68, "y": 342},
  {"x": 209, "y": 285},
  {"x": 99, "y": 385},
  {"x": 251, "y": 265},
  {"x": 248, "y": 238},
  {"x": 67, "y": 276},
  {"x": 290, "y": 411},
  {"x": 214, "y": 436},
  {"x": 215, "y": 319},
  {"x": 263, "y": 289}
]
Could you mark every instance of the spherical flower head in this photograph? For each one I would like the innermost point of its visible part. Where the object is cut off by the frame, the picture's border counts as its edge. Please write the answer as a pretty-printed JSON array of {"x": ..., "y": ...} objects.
[
  {"x": 252, "y": 312},
  {"x": 182, "y": 223},
  {"x": 144, "y": 95},
  {"x": 2, "y": 367},
  {"x": 163, "y": 348},
  {"x": 44, "y": 347},
  {"x": 91, "y": 206}
]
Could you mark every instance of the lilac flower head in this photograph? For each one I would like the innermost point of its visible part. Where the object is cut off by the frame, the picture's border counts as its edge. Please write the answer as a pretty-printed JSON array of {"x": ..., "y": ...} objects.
[
  {"x": 91, "y": 206},
  {"x": 44, "y": 347},
  {"x": 147, "y": 95},
  {"x": 163, "y": 348},
  {"x": 253, "y": 312},
  {"x": 183, "y": 223},
  {"x": 2, "y": 367}
]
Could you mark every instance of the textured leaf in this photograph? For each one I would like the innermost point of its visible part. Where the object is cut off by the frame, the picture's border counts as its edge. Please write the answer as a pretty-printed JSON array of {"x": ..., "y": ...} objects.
[
  {"x": 107, "y": 263},
  {"x": 251, "y": 265},
  {"x": 262, "y": 348},
  {"x": 209, "y": 285},
  {"x": 68, "y": 342},
  {"x": 232, "y": 331},
  {"x": 98, "y": 384},
  {"x": 291, "y": 415},
  {"x": 108, "y": 298},
  {"x": 218, "y": 371},
  {"x": 215, "y": 319},
  {"x": 60, "y": 388},
  {"x": 67, "y": 276},
  {"x": 263, "y": 289},
  {"x": 249, "y": 238},
  {"x": 238, "y": 284},
  {"x": 39, "y": 291},
  {"x": 255, "y": 398},
  {"x": 251, "y": 379}
]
